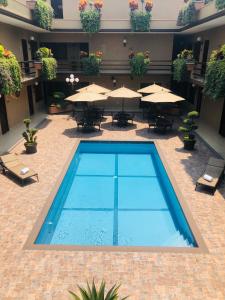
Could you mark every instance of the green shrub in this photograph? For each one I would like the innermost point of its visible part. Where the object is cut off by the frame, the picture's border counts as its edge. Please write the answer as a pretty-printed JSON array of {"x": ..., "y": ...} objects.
[
  {"x": 189, "y": 126},
  {"x": 43, "y": 53},
  {"x": 43, "y": 14},
  {"x": 4, "y": 2},
  {"x": 140, "y": 21},
  {"x": 139, "y": 63},
  {"x": 49, "y": 66},
  {"x": 10, "y": 72},
  {"x": 188, "y": 15},
  {"x": 91, "y": 64},
  {"x": 220, "y": 4},
  {"x": 92, "y": 293},
  {"x": 30, "y": 133},
  {"x": 214, "y": 85},
  {"x": 180, "y": 72},
  {"x": 90, "y": 20}
]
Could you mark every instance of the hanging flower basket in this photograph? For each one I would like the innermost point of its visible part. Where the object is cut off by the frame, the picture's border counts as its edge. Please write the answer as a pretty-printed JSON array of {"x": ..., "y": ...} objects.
[{"x": 31, "y": 4}]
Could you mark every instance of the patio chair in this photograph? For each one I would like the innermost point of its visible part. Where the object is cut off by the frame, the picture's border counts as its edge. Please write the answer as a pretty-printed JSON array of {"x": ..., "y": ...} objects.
[
  {"x": 12, "y": 164},
  {"x": 79, "y": 120},
  {"x": 212, "y": 175}
]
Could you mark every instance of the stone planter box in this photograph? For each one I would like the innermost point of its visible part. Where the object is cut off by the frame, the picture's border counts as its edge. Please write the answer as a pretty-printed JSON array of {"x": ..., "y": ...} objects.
[{"x": 31, "y": 4}]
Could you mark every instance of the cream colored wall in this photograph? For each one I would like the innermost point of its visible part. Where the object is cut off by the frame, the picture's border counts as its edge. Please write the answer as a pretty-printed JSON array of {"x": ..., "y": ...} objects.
[
  {"x": 17, "y": 107},
  {"x": 11, "y": 37},
  {"x": 159, "y": 45},
  {"x": 116, "y": 14}
]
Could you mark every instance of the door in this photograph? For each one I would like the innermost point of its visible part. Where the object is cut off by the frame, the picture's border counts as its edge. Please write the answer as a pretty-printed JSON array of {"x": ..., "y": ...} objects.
[
  {"x": 205, "y": 57},
  {"x": 25, "y": 56},
  {"x": 3, "y": 115},
  {"x": 33, "y": 49},
  {"x": 222, "y": 123},
  {"x": 199, "y": 100},
  {"x": 30, "y": 100}
]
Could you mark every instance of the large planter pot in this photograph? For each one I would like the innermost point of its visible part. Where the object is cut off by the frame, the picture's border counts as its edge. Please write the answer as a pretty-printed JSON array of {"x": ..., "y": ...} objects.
[
  {"x": 31, "y": 4},
  {"x": 30, "y": 148},
  {"x": 190, "y": 66},
  {"x": 53, "y": 109},
  {"x": 189, "y": 145}
]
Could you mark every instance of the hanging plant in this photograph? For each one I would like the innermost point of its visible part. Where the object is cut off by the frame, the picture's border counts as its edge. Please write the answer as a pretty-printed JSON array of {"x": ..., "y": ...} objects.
[
  {"x": 140, "y": 20},
  {"x": 90, "y": 18},
  {"x": 10, "y": 73},
  {"x": 48, "y": 62},
  {"x": 187, "y": 15},
  {"x": 220, "y": 4},
  {"x": 43, "y": 14},
  {"x": 3, "y": 2},
  {"x": 215, "y": 75},
  {"x": 91, "y": 63},
  {"x": 182, "y": 65},
  {"x": 139, "y": 63}
]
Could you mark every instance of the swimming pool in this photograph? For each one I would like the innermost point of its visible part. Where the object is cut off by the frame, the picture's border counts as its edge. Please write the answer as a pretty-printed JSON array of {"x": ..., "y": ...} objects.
[{"x": 116, "y": 194}]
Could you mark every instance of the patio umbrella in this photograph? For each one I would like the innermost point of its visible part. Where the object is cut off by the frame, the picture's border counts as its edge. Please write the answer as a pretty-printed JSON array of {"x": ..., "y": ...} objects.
[
  {"x": 86, "y": 97},
  {"x": 123, "y": 93},
  {"x": 153, "y": 88},
  {"x": 162, "y": 97},
  {"x": 94, "y": 88}
]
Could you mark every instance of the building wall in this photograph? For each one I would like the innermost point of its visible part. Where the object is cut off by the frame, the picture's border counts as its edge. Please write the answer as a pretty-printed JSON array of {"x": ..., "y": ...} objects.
[
  {"x": 159, "y": 45},
  {"x": 116, "y": 14},
  {"x": 211, "y": 111}
]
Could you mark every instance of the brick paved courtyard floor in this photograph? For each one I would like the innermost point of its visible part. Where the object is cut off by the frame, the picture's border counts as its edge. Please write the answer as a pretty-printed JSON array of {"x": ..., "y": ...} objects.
[{"x": 45, "y": 275}]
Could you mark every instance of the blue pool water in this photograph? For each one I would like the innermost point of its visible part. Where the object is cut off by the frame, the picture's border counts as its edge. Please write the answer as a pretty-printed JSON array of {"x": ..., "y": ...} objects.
[{"x": 116, "y": 194}]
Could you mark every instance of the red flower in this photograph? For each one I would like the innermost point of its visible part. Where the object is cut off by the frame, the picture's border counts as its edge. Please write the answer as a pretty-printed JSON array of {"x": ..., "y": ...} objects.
[
  {"x": 82, "y": 5},
  {"x": 133, "y": 4}
]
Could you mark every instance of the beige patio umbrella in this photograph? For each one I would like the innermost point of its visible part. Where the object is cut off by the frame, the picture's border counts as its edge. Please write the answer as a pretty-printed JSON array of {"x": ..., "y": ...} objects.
[
  {"x": 162, "y": 97},
  {"x": 86, "y": 97},
  {"x": 153, "y": 88},
  {"x": 123, "y": 93},
  {"x": 94, "y": 88}
]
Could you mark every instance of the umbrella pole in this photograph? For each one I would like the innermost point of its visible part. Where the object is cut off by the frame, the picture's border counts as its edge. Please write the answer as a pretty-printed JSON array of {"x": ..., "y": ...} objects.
[{"x": 123, "y": 105}]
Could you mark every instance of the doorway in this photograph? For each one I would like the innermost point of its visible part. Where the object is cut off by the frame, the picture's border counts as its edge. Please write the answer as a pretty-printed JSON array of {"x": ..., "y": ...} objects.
[
  {"x": 25, "y": 56},
  {"x": 222, "y": 123},
  {"x": 3, "y": 115},
  {"x": 30, "y": 100}
]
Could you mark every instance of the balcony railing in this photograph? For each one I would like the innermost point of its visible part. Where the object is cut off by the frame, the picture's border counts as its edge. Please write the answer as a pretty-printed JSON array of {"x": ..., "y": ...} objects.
[
  {"x": 28, "y": 70},
  {"x": 198, "y": 74},
  {"x": 116, "y": 67}
]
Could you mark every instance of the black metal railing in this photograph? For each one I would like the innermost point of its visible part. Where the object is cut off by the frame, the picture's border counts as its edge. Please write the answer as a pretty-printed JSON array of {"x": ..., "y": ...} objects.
[
  {"x": 199, "y": 70},
  {"x": 27, "y": 68},
  {"x": 116, "y": 66}
]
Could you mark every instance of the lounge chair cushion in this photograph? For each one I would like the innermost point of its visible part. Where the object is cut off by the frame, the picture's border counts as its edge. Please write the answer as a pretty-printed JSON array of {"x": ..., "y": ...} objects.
[{"x": 208, "y": 177}]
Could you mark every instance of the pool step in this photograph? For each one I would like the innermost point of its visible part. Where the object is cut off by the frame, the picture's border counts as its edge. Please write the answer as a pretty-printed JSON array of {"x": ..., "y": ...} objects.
[{"x": 177, "y": 240}]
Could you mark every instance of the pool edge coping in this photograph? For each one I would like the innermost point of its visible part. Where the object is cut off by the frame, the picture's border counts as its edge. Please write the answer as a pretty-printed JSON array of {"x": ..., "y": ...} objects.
[{"x": 30, "y": 242}]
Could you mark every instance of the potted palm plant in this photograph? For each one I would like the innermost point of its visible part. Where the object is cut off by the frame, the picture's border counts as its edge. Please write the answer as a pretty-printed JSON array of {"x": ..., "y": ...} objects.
[
  {"x": 189, "y": 130},
  {"x": 92, "y": 293},
  {"x": 58, "y": 104},
  {"x": 30, "y": 137}
]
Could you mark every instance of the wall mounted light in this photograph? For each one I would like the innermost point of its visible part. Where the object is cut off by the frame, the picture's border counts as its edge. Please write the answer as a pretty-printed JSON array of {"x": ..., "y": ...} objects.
[
  {"x": 199, "y": 39},
  {"x": 114, "y": 81},
  {"x": 36, "y": 83},
  {"x": 124, "y": 42},
  {"x": 32, "y": 38}
]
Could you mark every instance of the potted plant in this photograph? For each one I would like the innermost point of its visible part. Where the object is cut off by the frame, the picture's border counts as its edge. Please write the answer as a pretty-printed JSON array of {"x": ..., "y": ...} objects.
[
  {"x": 90, "y": 18},
  {"x": 43, "y": 14},
  {"x": 188, "y": 129},
  {"x": 46, "y": 63},
  {"x": 58, "y": 104},
  {"x": 199, "y": 4},
  {"x": 140, "y": 19},
  {"x": 139, "y": 63},
  {"x": 10, "y": 72},
  {"x": 187, "y": 15},
  {"x": 187, "y": 55},
  {"x": 97, "y": 294},
  {"x": 214, "y": 85},
  {"x": 183, "y": 64},
  {"x": 30, "y": 137},
  {"x": 220, "y": 4},
  {"x": 4, "y": 3},
  {"x": 90, "y": 64}
]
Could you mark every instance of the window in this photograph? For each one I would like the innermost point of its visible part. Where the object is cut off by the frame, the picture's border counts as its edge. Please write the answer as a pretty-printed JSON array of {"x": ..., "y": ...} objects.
[{"x": 58, "y": 8}]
